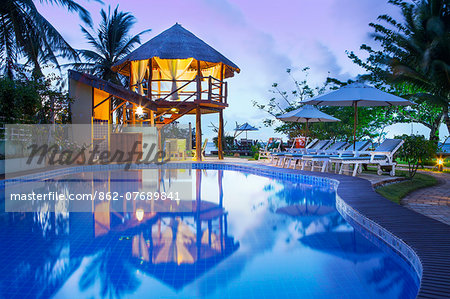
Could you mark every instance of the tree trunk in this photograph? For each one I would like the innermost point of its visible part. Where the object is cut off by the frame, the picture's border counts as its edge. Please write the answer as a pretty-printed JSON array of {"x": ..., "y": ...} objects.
[
  {"x": 434, "y": 133},
  {"x": 447, "y": 118}
]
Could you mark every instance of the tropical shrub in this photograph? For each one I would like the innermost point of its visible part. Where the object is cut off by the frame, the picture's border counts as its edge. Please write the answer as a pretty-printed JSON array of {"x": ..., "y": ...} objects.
[
  {"x": 228, "y": 143},
  {"x": 33, "y": 100},
  {"x": 415, "y": 150}
]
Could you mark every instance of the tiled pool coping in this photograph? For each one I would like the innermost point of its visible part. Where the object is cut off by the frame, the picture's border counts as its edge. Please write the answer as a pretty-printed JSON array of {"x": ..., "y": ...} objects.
[{"x": 422, "y": 241}]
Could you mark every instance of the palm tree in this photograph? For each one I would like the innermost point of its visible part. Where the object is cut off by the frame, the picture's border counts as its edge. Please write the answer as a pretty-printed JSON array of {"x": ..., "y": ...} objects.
[
  {"x": 416, "y": 50},
  {"x": 24, "y": 32},
  {"x": 111, "y": 43}
]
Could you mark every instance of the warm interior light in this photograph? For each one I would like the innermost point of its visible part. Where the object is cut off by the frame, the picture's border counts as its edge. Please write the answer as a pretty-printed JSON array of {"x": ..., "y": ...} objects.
[
  {"x": 139, "y": 110},
  {"x": 174, "y": 110},
  {"x": 139, "y": 214},
  {"x": 440, "y": 162}
]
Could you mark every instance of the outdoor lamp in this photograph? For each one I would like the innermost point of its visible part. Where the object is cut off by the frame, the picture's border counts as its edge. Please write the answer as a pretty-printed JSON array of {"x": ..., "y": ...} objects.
[
  {"x": 440, "y": 164},
  {"x": 139, "y": 214},
  {"x": 139, "y": 111}
]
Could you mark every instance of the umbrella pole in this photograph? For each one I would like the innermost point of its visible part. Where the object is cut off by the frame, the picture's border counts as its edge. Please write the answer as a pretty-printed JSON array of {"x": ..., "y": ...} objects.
[
  {"x": 354, "y": 124},
  {"x": 307, "y": 129}
]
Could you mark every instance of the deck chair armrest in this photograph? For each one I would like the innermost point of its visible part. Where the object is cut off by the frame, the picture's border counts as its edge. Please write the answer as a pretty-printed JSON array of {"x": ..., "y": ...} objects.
[
  {"x": 343, "y": 152},
  {"x": 381, "y": 153},
  {"x": 362, "y": 152}
]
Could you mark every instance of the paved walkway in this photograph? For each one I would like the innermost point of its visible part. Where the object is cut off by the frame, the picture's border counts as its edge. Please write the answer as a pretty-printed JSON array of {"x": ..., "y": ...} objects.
[{"x": 433, "y": 201}]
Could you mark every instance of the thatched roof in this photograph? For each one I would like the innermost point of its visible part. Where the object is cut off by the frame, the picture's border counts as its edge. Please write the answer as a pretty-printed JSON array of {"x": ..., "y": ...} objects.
[{"x": 177, "y": 43}]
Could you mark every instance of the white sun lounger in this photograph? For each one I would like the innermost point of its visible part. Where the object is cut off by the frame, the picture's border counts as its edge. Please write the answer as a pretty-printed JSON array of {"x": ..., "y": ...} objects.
[
  {"x": 322, "y": 157},
  {"x": 325, "y": 162},
  {"x": 382, "y": 156},
  {"x": 295, "y": 157},
  {"x": 277, "y": 158},
  {"x": 266, "y": 151}
]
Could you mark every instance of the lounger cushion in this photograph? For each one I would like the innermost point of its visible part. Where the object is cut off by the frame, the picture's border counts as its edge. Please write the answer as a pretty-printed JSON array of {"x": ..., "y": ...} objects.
[
  {"x": 377, "y": 157},
  {"x": 325, "y": 156}
]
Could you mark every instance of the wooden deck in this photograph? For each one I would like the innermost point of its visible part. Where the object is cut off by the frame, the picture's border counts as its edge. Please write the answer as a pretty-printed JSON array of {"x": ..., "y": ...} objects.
[{"x": 429, "y": 238}]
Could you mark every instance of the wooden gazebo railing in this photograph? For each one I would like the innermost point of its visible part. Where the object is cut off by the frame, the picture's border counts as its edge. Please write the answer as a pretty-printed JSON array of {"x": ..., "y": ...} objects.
[{"x": 216, "y": 90}]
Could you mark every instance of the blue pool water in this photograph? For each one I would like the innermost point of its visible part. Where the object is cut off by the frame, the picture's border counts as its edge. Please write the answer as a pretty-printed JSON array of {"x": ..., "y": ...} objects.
[{"x": 244, "y": 236}]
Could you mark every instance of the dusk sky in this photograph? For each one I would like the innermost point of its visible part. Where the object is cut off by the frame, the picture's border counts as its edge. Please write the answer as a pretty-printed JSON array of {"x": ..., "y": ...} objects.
[{"x": 263, "y": 38}]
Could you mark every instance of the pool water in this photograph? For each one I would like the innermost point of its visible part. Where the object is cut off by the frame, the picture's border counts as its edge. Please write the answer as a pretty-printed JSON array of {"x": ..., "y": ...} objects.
[{"x": 245, "y": 236}]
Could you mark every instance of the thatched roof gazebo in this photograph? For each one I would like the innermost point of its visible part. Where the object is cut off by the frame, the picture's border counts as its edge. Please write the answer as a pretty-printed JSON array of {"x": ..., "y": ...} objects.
[{"x": 183, "y": 75}]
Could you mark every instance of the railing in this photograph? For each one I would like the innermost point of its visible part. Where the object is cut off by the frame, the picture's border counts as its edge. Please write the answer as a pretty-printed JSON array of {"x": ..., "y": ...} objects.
[{"x": 211, "y": 89}]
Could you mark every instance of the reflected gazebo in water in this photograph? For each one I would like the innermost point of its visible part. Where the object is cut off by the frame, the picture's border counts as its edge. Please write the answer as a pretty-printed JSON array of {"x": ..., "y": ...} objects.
[{"x": 174, "y": 241}]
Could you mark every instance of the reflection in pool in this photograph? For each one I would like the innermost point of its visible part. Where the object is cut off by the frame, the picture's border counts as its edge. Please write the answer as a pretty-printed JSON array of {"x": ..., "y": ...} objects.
[{"x": 242, "y": 235}]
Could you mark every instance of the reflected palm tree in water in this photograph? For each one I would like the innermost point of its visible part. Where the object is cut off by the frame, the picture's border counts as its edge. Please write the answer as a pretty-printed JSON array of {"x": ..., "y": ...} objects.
[
  {"x": 37, "y": 245},
  {"x": 112, "y": 269}
]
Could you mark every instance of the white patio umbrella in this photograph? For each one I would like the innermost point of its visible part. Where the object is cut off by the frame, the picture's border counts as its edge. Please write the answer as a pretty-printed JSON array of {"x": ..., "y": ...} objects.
[
  {"x": 307, "y": 114},
  {"x": 358, "y": 94}
]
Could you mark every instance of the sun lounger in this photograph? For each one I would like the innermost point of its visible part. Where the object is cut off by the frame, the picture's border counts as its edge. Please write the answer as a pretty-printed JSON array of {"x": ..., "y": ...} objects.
[
  {"x": 315, "y": 149},
  {"x": 279, "y": 157},
  {"x": 270, "y": 147},
  {"x": 382, "y": 156},
  {"x": 324, "y": 160},
  {"x": 322, "y": 157}
]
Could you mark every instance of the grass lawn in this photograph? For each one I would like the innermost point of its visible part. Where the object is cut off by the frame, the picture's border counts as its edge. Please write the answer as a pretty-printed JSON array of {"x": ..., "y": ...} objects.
[{"x": 395, "y": 192}]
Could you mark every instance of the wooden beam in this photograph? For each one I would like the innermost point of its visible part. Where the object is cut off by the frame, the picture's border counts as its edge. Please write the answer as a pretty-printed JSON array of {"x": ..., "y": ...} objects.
[
  {"x": 198, "y": 134},
  {"x": 149, "y": 80},
  {"x": 221, "y": 82},
  {"x": 220, "y": 136},
  {"x": 220, "y": 133},
  {"x": 159, "y": 84},
  {"x": 199, "y": 81},
  {"x": 118, "y": 106},
  {"x": 149, "y": 89},
  {"x": 109, "y": 97}
]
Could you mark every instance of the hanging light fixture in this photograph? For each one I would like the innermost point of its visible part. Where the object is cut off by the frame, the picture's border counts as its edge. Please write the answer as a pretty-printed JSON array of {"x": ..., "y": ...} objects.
[{"x": 139, "y": 111}]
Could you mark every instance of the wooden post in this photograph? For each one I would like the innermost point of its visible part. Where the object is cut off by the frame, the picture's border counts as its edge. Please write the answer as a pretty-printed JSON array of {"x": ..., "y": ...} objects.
[
  {"x": 124, "y": 113},
  {"x": 160, "y": 147},
  {"x": 220, "y": 133},
  {"x": 159, "y": 84},
  {"x": 133, "y": 117},
  {"x": 220, "y": 136},
  {"x": 149, "y": 90},
  {"x": 189, "y": 146},
  {"x": 198, "y": 133},
  {"x": 354, "y": 125},
  {"x": 222, "y": 76},
  {"x": 199, "y": 81},
  {"x": 209, "y": 88},
  {"x": 132, "y": 87},
  {"x": 198, "y": 116},
  {"x": 226, "y": 93}
]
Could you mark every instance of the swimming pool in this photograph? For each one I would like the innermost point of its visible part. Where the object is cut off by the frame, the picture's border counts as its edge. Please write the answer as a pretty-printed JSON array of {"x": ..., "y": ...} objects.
[{"x": 245, "y": 235}]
